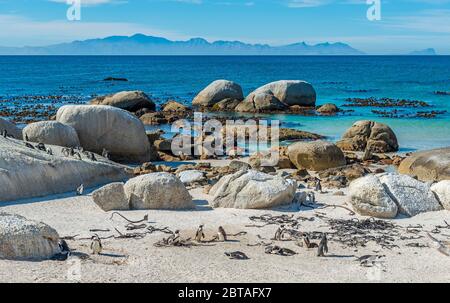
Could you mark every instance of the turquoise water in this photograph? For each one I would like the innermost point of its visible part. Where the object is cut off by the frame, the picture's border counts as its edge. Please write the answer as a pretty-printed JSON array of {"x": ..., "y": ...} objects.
[{"x": 181, "y": 77}]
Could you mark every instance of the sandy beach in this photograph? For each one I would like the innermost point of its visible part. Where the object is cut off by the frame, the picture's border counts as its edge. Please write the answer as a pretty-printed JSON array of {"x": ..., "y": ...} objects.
[{"x": 138, "y": 260}]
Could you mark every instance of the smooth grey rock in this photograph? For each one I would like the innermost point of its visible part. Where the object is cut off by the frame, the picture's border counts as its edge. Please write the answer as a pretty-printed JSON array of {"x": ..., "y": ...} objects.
[
  {"x": 105, "y": 127},
  {"x": 51, "y": 132},
  {"x": 288, "y": 92},
  {"x": 316, "y": 155},
  {"x": 369, "y": 198},
  {"x": 27, "y": 173},
  {"x": 429, "y": 165},
  {"x": 128, "y": 100},
  {"x": 442, "y": 191},
  {"x": 252, "y": 190},
  {"x": 412, "y": 196},
  {"x": 23, "y": 239},
  {"x": 11, "y": 128},
  {"x": 158, "y": 191},
  {"x": 111, "y": 197},
  {"x": 218, "y": 91},
  {"x": 191, "y": 176}
]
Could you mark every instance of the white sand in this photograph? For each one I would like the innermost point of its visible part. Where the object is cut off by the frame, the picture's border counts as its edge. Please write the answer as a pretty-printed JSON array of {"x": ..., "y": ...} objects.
[{"x": 131, "y": 260}]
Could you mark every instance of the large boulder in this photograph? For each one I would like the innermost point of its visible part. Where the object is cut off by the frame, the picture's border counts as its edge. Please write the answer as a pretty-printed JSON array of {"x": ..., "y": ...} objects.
[
  {"x": 158, "y": 191},
  {"x": 412, "y": 196},
  {"x": 10, "y": 128},
  {"x": 378, "y": 137},
  {"x": 431, "y": 165},
  {"x": 218, "y": 91},
  {"x": 369, "y": 198},
  {"x": 51, "y": 132},
  {"x": 105, "y": 127},
  {"x": 374, "y": 195},
  {"x": 111, "y": 197},
  {"x": 251, "y": 189},
  {"x": 288, "y": 92},
  {"x": 27, "y": 172},
  {"x": 128, "y": 100},
  {"x": 316, "y": 156},
  {"x": 23, "y": 239},
  {"x": 442, "y": 191}
]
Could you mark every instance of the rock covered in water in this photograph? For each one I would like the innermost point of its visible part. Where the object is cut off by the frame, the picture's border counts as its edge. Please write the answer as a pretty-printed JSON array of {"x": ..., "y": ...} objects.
[
  {"x": 105, "y": 127},
  {"x": 287, "y": 92},
  {"x": 252, "y": 190},
  {"x": 10, "y": 128},
  {"x": 217, "y": 91},
  {"x": 111, "y": 197},
  {"x": 24, "y": 239},
  {"x": 128, "y": 100},
  {"x": 316, "y": 156},
  {"x": 378, "y": 137},
  {"x": 442, "y": 191},
  {"x": 27, "y": 172},
  {"x": 430, "y": 165},
  {"x": 51, "y": 132},
  {"x": 371, "y": 195},
  {"x": 369, "y": 198},
  {"x": 158, "y": 191}
]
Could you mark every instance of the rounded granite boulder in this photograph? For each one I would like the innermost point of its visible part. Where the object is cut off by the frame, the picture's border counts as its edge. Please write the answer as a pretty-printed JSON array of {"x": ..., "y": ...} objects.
[
  {"x": 217, "y": 91},
  {"x": 51, "y": 132},
  {"x": 317, "y": 155}
]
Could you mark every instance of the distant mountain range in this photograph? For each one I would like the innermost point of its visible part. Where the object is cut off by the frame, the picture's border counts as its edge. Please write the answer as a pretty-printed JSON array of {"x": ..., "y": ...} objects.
[{"x": 149, "y": 45}]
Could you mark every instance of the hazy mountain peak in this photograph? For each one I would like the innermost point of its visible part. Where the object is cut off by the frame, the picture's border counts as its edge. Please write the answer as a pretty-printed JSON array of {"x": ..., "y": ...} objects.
[{"x": 140, "y": 44}]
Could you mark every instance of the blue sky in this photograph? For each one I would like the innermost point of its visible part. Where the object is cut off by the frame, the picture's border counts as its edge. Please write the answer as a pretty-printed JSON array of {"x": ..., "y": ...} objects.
[{"x": 406, "y": 25}]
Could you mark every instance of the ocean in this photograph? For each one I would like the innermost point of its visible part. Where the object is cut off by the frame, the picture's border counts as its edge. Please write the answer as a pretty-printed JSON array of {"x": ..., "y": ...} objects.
[{"x": 335, "y": 79}]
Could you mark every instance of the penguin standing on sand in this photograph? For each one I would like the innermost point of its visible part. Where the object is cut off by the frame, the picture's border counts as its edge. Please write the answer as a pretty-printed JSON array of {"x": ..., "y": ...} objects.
[
  {"x": 96, "y": 245},
  {"x": 323, "y": 246},
  {"x": 318, "y": 186},
  {"x": 199, "y": 235},
  {"x": 222, "y": 235}
]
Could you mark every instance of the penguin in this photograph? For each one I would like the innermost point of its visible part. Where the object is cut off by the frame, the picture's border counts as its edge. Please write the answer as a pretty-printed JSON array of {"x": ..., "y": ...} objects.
[
  {"x": 64, "y": 247},
  {"x": 26, "y": 138},
  {"x": 41, "y": 146},
  {"x": 92, "y": 157},
  {"x": 80, "y": 190},
  {"x": 65, "y": 152},
  {"x": 323, "y": 246},
  {"x": 96, "y": 245},
  {"x": 50, "y": 151},
  {"x": 105, "y": 154},
  {"x": 221, "y": 234},
  {"x": 307, "y": 242},
  {"x": 174, "y": 239},
  {"x": 311, "y": 198},
  {"x": 279, "y": 233},
  {"x": 318, "y": 186},
  {"x": 78, "y": 155},
  {"x": 4, "y": 133},
  {"x": 199, "y": 235}
]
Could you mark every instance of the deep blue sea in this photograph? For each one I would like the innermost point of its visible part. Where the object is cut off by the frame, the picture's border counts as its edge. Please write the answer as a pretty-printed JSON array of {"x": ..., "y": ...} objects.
[{"x": 181, "y": 77}]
